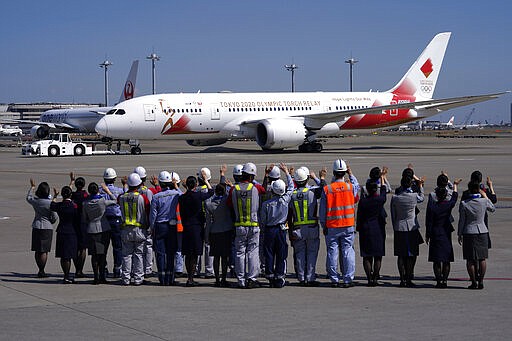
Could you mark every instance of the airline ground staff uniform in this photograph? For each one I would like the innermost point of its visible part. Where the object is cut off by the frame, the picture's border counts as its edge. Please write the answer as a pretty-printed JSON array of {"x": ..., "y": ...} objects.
[
  {"x": 337, "y": 216},
  {"x": 305, "y": 233},
  {"x": 113, "y": 214},
  {"x": 244, "y": 198},
  {"x": 133, "y": 231},
  {"x": 162, "y": 221},
  {"x": 148, "y": 245},
  {"x": 273, "y": 216}
]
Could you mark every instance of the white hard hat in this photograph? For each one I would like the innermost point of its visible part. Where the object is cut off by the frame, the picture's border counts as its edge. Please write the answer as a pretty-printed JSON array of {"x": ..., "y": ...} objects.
[
  {"x": 109, "y": 173},
  {"x": 249, "y": 168},
  {"x": 339, "y": 166},
  {"x": 141, "y": 171},
  {"x": 207, "y": 173},
  {"x": 301, "y": 175},
  {"x": 306, "y": 169},
  {"x": 164, "y": 176},
  {"x": 175, "y": 177},
  {"x": 278, "y": 187},
  {"x": 275, "y": 173},
  {"x": 134, "y": 180},
  {"x": 237, "y": 170}
]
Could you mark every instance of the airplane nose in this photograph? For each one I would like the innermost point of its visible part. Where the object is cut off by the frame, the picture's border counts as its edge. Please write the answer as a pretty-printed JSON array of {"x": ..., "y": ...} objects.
[{"x": 101, "y": 127}]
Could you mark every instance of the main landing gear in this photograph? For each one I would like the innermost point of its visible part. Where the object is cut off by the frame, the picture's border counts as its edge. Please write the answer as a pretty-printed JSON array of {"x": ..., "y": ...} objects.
[
  {"x": 135, "y": 147},
  {"x": 311, "y": 147}
]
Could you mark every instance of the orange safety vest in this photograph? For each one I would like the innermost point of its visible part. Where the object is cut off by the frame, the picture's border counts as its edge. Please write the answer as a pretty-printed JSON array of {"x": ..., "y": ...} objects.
[
  {"x": 179, "y": 224},
  {"x": 340, "y": 205}
]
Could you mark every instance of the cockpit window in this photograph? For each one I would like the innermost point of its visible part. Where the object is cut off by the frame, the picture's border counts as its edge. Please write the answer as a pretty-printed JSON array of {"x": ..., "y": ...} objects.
[
  {"x": 111, "y": 112},
  {"x": 120, "y": 112}
]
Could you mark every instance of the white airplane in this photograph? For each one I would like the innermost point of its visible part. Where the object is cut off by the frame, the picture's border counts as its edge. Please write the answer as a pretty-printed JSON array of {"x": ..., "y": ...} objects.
[
  {"x": 284, "y": 120},
  {"x": 81, "y": 120},
  {"x": 10, "y": 130}
]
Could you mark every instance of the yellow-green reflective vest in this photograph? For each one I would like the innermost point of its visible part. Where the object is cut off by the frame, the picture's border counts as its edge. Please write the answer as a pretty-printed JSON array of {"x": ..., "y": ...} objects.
[
  {"x": 244, "y": 205},
  {"x": 301, "y": 207}
]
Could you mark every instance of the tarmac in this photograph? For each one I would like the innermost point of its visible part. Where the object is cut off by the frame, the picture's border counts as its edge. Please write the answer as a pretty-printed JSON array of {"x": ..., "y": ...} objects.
[{"x": 44, "y": 309}]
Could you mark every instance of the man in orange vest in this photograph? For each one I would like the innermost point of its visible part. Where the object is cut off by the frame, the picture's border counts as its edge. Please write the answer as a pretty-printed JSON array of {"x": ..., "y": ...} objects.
[{"x": 337, "y": 217}]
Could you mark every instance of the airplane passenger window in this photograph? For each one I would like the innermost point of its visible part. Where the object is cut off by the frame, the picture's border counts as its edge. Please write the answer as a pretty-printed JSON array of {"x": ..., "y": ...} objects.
[{"x": 120, "y": 112}]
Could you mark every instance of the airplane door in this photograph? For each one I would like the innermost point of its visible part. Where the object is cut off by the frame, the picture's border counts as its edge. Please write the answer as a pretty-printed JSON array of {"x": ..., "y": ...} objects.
[
  {"x": 150, "y": 112},
  {"x": 215, "y": 113},
  {"x": 393, "y": 112}
]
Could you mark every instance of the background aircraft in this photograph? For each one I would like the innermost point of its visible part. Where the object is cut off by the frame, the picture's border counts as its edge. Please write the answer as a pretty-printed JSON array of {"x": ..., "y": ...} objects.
[
  {"x": 10, "y": 130},
  {"x": 82, "y": 120},
  {"x": 283, "y": 120}
]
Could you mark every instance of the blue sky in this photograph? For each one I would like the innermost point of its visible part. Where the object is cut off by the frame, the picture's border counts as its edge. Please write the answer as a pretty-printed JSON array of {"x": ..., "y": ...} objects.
[{"x": 51, "y": 49}]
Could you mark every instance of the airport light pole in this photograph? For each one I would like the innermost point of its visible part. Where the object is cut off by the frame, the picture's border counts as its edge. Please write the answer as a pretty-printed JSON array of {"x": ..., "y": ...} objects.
[
  {"x": 153, "y": 58},
  {"x": 351, "y": 61},
  {"x": 105, "y": 65},
  {"x": 292, "y": 68}
]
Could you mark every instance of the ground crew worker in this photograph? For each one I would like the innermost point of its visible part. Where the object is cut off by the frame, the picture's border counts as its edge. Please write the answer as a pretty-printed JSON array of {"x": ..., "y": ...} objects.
[
  {"x": 337, "y": 212},
  {"x": 148, "y": 245},
  {"x": 273, "y": 216},
  {"x": 178, "y": 257},
  {"x": 304, "y": 232},
  {"x": 113, "y": 214},
  {"x": 237, "y": 177},
  {"x": 133, "y": 231},
  {"x": 162, "y": 221},
  {"x": 244, "y": 199}
]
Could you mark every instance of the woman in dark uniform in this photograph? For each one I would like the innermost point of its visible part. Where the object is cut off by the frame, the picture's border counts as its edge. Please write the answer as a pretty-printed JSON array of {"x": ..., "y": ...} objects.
[
  {"x": 439, "y": 230},
  {"x": 78, "y": 197},
  {"x": 371, "y": 223},
  {"x": 42, "y": 225},
  {"x": 193, "y": 219},
  {"x": 67, "y": 230}
]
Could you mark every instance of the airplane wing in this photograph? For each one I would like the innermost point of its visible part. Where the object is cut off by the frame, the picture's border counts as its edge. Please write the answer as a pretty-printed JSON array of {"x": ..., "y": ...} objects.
[
  {"x": 40, "y": 123},
  {"x": 433, "y": 104}
]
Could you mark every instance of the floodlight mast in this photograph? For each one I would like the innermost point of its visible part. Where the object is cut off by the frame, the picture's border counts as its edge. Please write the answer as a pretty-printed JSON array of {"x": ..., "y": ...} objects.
[
  {"x": 292, "y": 68},
  {"x": 106, "y": 65},
  {"x": 153, "y": 57},
  {"x": 351, "y": 61}
]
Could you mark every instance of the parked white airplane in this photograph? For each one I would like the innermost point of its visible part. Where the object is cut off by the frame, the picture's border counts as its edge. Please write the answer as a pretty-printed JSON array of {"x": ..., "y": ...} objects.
[
  {"x": 81, "y": 120},
  {"x": 284, "y": 120},
  {"x": 10, "y": 130}
]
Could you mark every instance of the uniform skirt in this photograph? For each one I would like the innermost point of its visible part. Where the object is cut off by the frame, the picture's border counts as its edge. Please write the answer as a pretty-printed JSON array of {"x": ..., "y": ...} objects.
[
  {"x": 192, "y": 244},
  {"x": 407, "y": 243},
  {"x": 475, "y": 246},
  {"x": 98, "y": 243},
  {"x": 66, "y": 245},
  {"x": 220, "y": 243},
  {"x": 42, "y": 240},
  {"x": 440, "y": 248},
  {"x": 372, "y": 241}
]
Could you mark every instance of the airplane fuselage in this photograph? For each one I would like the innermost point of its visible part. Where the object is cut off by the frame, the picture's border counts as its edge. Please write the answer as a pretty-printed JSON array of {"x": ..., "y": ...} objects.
[
  {"x": 81, "y": 120},
  {"x": 228, "y": 115}
]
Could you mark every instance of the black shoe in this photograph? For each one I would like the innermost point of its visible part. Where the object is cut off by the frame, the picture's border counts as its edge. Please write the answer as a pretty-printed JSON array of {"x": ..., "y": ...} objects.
[
  {"x": 252, "y": 284},
  {"x": 209, "y": 276},
  {"x": 335, "y": 285},
  {"x": 279, "y": 283},
  {"x": 217, "y": 284},
  {"x": 410, "y": 284},
  {"x": 225, "y": 284},
  {"x": 313, "y": 284},
  {"x": 439, "y": 285},
  {"x": 79, "y": 275},
  {"x": 96, "y": 281},
  {"x": 473, "y": 286},
  {"x": 348, "y": 285},
  {"x": 191, "y": 284},
  {"x": 42, "y": 274},
  {"x": 480, "y": 285},
  {"x": 103, "y": 281},
  {"x": 402, "y": 284},
  {"x": 67, "y": 281}
]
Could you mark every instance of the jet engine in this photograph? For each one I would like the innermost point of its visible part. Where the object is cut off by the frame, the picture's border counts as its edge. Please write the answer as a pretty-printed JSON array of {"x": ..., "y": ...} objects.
[
  {"x": 280, "y": 133},
  {"x": 207, "y": 142},
  {"x": 39, "y": 132}
]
